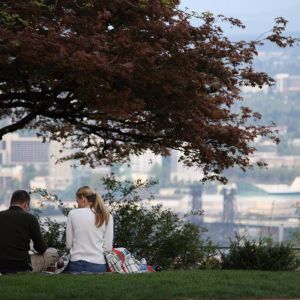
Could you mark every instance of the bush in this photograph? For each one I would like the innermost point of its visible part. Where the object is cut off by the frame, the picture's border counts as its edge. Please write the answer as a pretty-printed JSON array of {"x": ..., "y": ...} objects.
[
  {"x": 147, "y": 231},
  {"x": 53, "y": 232},
  {"x": 259, "y": 255},
  {"x": 152, "y": 232},
  {"x": 160, "y": 236}
]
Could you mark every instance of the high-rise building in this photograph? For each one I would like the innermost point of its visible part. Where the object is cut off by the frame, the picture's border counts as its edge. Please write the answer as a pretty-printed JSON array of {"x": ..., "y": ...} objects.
[
  {"x": 29, "y": 150},
  {"x": 16, "y": 150}
]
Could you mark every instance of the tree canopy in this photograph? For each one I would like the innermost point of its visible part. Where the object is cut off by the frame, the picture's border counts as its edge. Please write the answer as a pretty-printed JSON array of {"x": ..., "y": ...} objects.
[{"x": 115, "y": 78}]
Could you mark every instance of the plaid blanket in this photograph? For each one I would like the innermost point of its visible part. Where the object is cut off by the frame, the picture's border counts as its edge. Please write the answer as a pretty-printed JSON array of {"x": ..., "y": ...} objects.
[{"x": 120, "y": 260}]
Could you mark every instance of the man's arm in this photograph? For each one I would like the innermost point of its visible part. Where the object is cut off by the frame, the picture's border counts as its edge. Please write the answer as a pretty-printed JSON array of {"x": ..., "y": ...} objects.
[{"x": 36, "y": 236}]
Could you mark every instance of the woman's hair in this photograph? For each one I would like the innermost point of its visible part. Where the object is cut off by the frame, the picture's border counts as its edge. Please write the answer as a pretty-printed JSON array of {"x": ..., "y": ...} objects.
[{"x": 96, "y": 203}]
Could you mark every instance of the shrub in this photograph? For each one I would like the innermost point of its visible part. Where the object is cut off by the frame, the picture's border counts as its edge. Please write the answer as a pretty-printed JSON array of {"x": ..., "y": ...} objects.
[
  {"x": 53, "y": 232},
  {"x": 259, "y": 255},
  {"x": 153, "y": 232},
  {"x": 160, "y": 236}
]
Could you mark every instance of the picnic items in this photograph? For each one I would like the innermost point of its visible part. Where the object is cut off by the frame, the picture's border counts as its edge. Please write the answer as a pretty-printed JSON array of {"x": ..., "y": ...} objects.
[{"x": 60, "y": 266}]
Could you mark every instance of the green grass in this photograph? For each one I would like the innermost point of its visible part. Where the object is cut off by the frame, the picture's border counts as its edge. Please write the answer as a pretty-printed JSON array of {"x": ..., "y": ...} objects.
[{"x": 165, "y": 285}]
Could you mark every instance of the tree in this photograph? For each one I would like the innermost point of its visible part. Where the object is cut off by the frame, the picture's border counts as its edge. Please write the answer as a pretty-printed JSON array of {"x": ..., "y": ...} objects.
[{"x": 115, "y": 78}]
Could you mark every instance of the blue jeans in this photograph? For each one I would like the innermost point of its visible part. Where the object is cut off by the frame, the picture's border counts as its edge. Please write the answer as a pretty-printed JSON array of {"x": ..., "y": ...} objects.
[{"x": 84, "y": 266}]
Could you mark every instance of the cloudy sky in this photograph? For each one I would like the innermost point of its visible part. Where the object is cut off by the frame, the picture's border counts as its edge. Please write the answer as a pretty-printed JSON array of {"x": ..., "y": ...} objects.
[{"x": 257, "y": 15}]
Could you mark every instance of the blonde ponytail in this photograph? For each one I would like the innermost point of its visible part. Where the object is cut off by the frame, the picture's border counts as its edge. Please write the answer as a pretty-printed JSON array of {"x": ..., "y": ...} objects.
[{"x": 96, "y": 203}]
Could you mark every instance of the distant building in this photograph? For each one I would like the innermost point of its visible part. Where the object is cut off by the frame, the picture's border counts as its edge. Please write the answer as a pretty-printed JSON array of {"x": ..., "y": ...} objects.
[
  {"x": 2, "y": 152},
  {"x": 150, "y": 165},
  {"x": 25, "y": 150},
  {"x": 50, "y": 183},
  {"x": 256, "y": 89},
  {"x": 182, "y": 173},
  {"x": 60, "y": 174},
  {"x": 16, "y": 150},
  {"x": 295, "y": 143},
  {"x": 8, "y": 176},
  {"x": 141, "y": 166},
  {"x": 180, "y": 204},
  {"x": 287, "y": 83},
  {"x": 274, "y": 161}
]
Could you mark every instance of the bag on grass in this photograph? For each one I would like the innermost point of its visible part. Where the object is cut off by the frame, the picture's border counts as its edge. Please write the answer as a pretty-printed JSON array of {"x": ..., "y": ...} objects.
[{"x": 120, "y": 260}]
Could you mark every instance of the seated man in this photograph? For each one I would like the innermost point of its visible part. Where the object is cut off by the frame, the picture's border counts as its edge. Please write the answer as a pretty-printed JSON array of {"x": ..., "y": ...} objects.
[{"x": 17, "y": 228}]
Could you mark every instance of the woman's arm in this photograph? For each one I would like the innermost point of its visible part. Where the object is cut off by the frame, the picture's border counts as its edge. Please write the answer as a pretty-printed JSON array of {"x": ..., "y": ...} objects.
[
  {"x": 109, "y": 235},
  {"x": 69, "y": 233}
]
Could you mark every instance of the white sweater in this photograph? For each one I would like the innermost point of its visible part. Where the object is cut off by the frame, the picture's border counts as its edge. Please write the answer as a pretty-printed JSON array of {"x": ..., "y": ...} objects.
[{"x": 85, "y": 240}]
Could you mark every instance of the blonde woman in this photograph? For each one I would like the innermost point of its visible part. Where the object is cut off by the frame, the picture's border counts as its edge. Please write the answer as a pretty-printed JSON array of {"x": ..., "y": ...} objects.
[{"x": 89, "y": 233}]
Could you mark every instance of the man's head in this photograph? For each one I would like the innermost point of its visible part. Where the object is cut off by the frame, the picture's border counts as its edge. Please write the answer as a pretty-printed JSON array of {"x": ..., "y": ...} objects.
[{"x": 20, "y": 198}]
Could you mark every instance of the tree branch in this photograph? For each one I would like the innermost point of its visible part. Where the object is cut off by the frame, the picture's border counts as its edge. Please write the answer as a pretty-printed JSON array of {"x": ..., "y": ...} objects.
[{"x": 18, "y": 125}]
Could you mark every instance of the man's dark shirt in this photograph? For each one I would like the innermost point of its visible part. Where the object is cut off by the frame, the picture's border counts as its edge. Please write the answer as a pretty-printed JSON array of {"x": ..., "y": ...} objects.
[{"x": 17, "y": 228}]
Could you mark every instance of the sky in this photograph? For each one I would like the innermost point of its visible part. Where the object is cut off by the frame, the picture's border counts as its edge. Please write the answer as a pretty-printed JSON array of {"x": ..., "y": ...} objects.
[{"x": 257, "y": 15}]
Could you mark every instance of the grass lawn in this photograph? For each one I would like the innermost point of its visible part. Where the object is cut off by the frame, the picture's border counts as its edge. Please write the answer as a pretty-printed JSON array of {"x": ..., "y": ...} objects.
[{"x": 164, "y": 285}]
